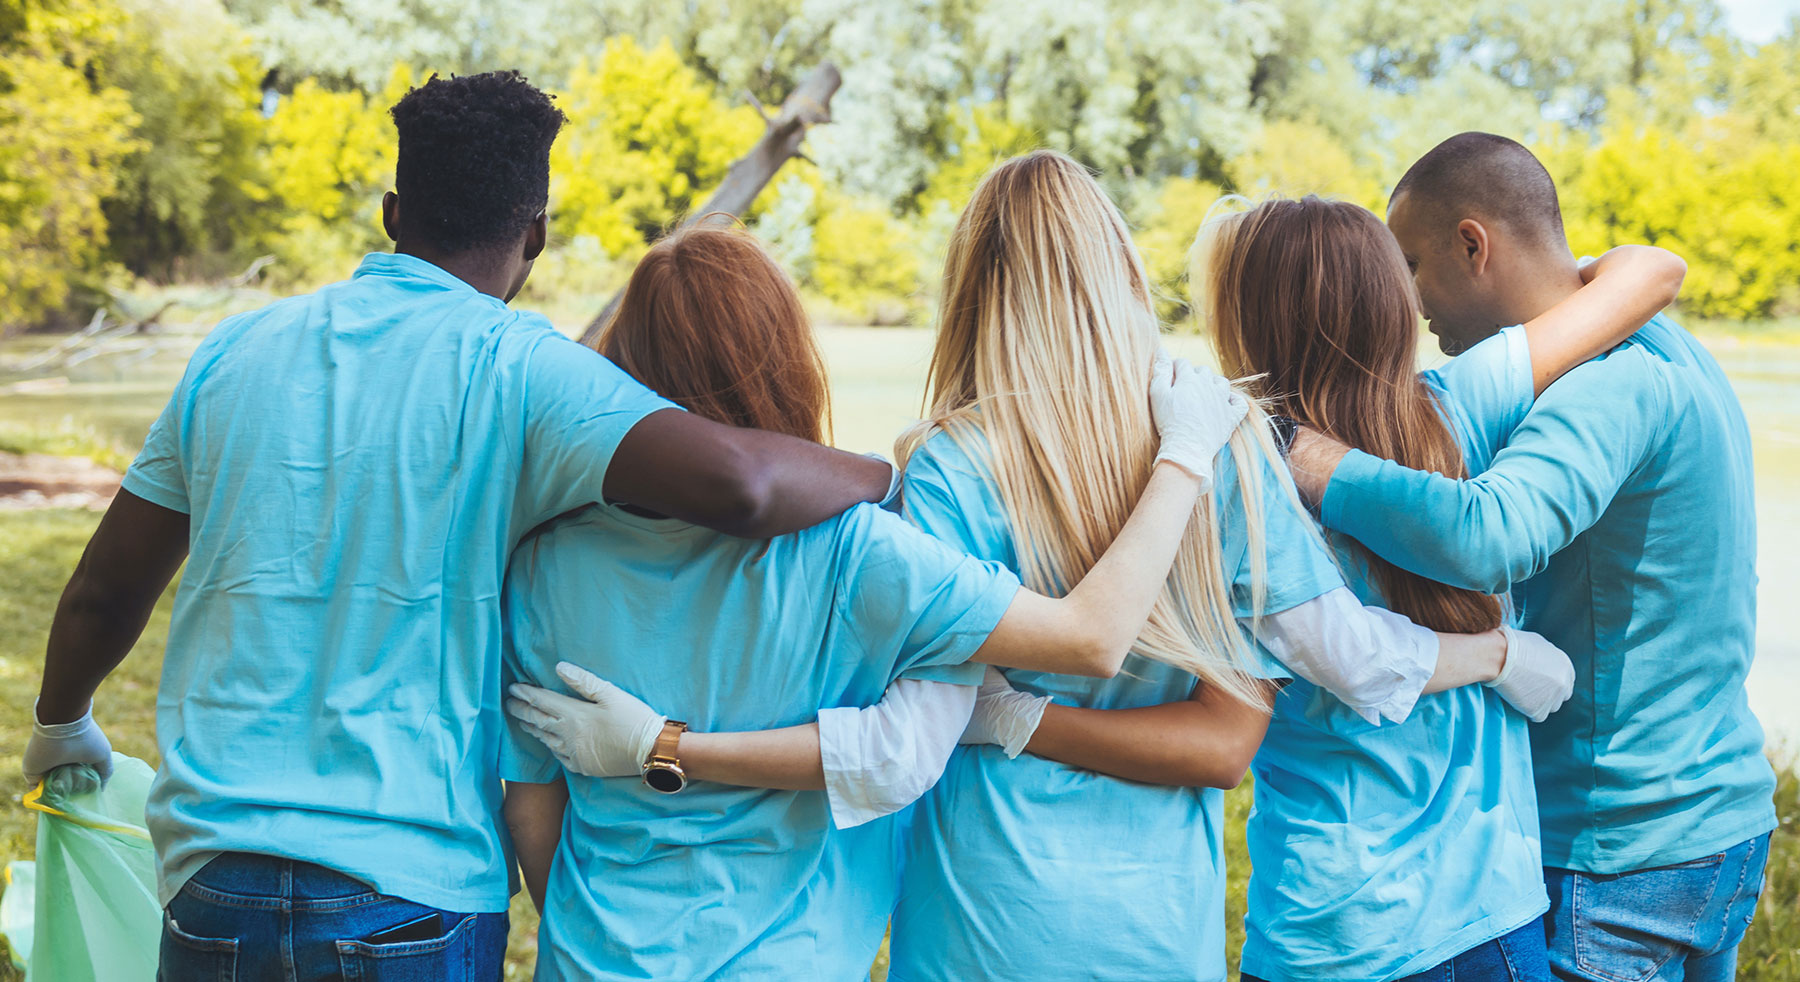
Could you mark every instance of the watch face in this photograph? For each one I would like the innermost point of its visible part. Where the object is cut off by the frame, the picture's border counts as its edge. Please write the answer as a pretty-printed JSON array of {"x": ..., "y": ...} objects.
[{"x": 664, "y": 779}]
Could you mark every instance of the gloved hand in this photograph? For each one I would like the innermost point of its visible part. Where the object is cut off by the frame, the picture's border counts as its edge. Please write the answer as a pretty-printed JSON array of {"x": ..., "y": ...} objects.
[
  {"x": 1003, "y": 715},
  {"x": 51, "y": 746},
  {"x": 607, "y": 733},
  {"x": 1537, "y": 678},
  {"x": 1195, "y": 413}
]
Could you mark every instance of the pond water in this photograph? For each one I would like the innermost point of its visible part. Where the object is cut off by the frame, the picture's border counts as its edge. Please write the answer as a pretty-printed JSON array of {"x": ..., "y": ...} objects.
[{"x": 878, "y": 375}]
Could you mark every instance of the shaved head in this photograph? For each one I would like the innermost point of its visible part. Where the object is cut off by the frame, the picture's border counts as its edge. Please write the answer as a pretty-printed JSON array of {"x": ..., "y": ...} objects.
[
  {"x": 1485, "y": 177},
  {"x": 1478, "y": 223}
]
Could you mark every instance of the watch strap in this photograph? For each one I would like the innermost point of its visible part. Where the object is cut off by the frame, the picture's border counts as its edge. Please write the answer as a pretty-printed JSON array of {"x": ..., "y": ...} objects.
[{"x": 668, "y": 741}]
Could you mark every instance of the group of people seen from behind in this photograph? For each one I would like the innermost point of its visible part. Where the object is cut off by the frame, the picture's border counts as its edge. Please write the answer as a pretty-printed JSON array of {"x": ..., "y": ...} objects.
[{"x": 467, "y": 604}]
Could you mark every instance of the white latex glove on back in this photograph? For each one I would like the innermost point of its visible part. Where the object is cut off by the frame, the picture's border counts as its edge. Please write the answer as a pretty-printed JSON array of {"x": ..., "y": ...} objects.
[
  {"x": 1195, "y": 412},
  {"x": 607, "y": 733},
  {"x": 53, "y": 745},
  {"x": 1537, "y": 677},
  {"x": 1003, "y": 715}
]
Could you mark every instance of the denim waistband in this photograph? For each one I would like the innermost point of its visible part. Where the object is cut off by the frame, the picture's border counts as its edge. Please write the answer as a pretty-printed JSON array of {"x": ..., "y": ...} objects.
[{"x": 278, "y": 882}]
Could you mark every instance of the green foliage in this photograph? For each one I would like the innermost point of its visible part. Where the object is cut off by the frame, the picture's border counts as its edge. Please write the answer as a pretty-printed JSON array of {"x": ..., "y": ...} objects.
[
  {"x": 647, "y": 139},
  {"x": 864, "y": 261},
  {"x": 1729, "y": 209},
  {"x": 329, "y": 157},
  {"x": 62, "y": 138},
  {"x": 193, "y": 188},
  {"x": 1165, "y": 237}
]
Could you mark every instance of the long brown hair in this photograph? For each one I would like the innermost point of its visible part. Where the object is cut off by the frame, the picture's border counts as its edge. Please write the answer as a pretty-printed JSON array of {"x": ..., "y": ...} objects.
[
  {"x": 1314, "y": 297},
  {"x": 712, "y": 324}
]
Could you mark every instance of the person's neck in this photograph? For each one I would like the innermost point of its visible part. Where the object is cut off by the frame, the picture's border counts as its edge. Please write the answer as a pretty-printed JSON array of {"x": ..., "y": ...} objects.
[
  {"x": 478, "y": 269},
  {"x": 1542, "y": 283}
]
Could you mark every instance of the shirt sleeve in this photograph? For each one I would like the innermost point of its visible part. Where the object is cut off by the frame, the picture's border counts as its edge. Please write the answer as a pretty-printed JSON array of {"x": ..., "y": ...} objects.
[
  {"x": 158, "y": 474},
  {"x": 1551, "y": 482},
  {"x": 1288, "y": 563},
  {"x": 912, "y": 595},
  {"x": 1486, "y": 392},
  {"x": 882, "y": 758},
  {"x": 971, "y": 522},
  {"x": 1373, "y": 660},
  {"x": 522, "y": 758},
  {"x": 578, "y": 406}
]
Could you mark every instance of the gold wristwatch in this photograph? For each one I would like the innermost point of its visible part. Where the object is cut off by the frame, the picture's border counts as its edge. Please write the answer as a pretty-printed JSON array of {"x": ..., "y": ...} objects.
[{"x": 662, "y": 772}]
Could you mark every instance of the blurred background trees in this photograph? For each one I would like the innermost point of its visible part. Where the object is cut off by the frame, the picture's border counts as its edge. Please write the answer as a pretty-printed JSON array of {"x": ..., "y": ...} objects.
[{"x": 170, "y": 140}]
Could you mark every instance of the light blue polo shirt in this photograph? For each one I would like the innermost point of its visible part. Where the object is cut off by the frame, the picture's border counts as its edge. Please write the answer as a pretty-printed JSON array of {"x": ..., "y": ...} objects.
[
  {"x": 357, "y": 464},
  {"x": 1621, "y": 515},
  {"x": 721, "y": 882},
  {"x": 1381, "y": 851},
  {"x": 1032, "y": 869}
]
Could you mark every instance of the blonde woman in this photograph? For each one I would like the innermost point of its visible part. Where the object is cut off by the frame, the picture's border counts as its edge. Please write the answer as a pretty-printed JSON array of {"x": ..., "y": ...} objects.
[{"x": 1035, "y": 448}]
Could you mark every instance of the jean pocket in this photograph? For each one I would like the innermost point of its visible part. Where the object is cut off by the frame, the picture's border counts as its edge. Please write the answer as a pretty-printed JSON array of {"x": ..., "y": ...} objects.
[
  {"x": 1627, "y": 927},
  {"x": 449, "y": 958},
  {"x": 184, "y": 956}
]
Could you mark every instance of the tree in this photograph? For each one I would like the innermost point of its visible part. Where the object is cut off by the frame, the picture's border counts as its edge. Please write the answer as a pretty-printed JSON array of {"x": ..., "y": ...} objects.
[
  {"x": 62, "y": 138},
  {"x": 195, "y": 185},
  {"x": 646, "y": 138}
]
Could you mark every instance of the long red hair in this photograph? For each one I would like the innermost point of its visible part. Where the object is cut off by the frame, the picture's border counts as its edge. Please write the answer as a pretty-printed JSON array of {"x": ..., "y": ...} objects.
[{"x": 713, "y": 324}]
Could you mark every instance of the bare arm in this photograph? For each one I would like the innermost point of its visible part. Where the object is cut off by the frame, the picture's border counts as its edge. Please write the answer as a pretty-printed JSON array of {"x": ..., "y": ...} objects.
[
  {"x": 534, "y": 816},
  {"x": 787, "y": 758},
  {"x": 127, "y": 564},
  {"x": 1206, "y": 741},
  {"x": 1089, "y": 631},
  {"x": 1626, "y": 286},
  {"x": 742, "y": 482},
  {"x": 1467, "y": 659}
]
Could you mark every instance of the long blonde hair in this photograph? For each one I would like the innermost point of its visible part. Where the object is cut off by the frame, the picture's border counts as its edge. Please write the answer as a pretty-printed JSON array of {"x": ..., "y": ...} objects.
[
  {"x": 1312, "y": 297},
  {"x": 1046, "y": 336}
]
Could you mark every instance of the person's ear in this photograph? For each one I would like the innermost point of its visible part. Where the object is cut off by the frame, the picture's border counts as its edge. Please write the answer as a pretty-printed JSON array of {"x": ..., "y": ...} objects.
[
  {"x": 1473, "y": 244},
  {"x": 537, "y": 236},
  {"x": 390, "y": 215}
]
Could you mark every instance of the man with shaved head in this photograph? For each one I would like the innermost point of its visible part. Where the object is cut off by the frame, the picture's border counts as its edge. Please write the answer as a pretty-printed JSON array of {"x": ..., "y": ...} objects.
[{"x": 1619, "y": 515}]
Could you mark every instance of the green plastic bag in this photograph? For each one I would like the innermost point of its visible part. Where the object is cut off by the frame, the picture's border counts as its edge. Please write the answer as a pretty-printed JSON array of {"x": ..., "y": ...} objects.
[
  {"x": 16, "y": 907},
  {"x": 96, "y": 916}
]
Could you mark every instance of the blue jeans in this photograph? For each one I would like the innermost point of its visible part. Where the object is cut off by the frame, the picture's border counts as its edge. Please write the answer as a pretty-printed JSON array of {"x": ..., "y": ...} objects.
[
  {"x": 261, "y": 919},
  {"x": 1514, "y": 957},
  {"x": 1678, "y": 923}
]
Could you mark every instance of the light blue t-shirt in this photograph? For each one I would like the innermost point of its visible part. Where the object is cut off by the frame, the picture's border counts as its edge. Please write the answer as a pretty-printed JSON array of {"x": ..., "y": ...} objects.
[
  {"x": 721, "y": 882},
  {"x": 1032, "y": 869},
  {"x": 1621, "y": 514},
  {"x": 1381, "y": 851},
  {"x": 357, "y": 465}
]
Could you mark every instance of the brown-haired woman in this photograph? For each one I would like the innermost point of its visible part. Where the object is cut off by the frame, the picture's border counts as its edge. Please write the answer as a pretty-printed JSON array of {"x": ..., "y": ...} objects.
[
  {"x": 1384, "y": 853},
  {"x": 750, "y": 881}
]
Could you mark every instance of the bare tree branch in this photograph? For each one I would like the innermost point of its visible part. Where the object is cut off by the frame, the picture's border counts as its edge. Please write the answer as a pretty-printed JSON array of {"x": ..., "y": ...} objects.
[{"x": 805, "y": 107}]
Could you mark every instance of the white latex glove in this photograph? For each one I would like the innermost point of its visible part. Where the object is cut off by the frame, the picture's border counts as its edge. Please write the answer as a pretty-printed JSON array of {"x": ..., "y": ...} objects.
[
  {"x": 607, "y": 733},
  {"x": 1537, "y": 677},
  {"x": 1003, "y": 715},
  {"x": 1195, "y": 413},
  {"x": 52, "y": 746}
]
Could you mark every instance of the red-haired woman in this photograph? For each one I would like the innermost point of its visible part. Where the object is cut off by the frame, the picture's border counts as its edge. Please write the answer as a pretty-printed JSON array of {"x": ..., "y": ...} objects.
[{"x": 743, "y": 882}]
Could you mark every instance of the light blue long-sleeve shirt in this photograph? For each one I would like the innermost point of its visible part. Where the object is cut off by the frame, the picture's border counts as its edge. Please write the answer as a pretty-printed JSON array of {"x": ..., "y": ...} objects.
[{"x": 1620, "y": 513}]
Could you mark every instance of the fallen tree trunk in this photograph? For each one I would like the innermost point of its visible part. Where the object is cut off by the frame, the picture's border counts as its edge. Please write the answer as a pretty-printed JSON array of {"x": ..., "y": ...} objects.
[{"x": 808, "y": 105}]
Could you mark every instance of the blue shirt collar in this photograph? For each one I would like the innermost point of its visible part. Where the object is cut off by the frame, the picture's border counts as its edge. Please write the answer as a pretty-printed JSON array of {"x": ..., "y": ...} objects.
[{"x": 402, "y": 266}]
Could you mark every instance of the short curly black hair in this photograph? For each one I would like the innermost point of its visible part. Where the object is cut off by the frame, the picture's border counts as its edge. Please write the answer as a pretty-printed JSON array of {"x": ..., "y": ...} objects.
[{"x": 474, "y": 163}]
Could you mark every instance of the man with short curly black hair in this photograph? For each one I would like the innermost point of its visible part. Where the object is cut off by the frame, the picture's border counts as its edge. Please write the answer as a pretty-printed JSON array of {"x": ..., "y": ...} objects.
[{"x": 346, "y": 473}]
